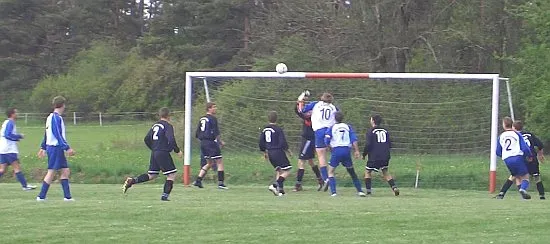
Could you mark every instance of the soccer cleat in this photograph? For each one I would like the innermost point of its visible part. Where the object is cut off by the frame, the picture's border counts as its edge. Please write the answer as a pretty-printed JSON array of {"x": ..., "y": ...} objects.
[
  {"x": 333, "y": 195},
  {"x": 281, "y": 194},
  {"x": 38, "y": 199},
  {"x": 273, "y": 190},
  {"x": 325, "y": 186},
  {"x": 68, "y": 199},
  {"x": 164, "y": 199},
  {"x": 198, "y": 184},
  {"x": 499, "y": 196},
  {"x": 542, "y": 198},
  {"x": 321, "y": 184},
  {"x": 524, "y": 195},
  {"x": 127, "y": 184},
  {"x": 361, "y": 194},
  {"x": 297, "y": 188},
  {"x": 29, "y": 187},
  {"x": 396, "y": 191},
  {"x": 223, "y": 187}
]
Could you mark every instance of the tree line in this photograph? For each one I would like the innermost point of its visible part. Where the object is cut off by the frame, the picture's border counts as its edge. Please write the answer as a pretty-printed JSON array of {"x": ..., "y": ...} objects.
[{"x": 131, "y": 55}]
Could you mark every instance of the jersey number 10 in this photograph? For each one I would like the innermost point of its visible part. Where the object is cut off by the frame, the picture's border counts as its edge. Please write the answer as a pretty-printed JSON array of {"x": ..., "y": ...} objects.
[
  {"x": 325, "y": 113},
  {"x": 381, "y": 136}
]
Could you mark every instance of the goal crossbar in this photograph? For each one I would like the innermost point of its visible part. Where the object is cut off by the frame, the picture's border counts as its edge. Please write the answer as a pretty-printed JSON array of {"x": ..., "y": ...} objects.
[{"x": 189, "y": 76}]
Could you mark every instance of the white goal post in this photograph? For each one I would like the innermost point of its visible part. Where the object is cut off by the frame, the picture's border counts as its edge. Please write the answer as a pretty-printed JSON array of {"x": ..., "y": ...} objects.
[{"x": 188, "y": 134}]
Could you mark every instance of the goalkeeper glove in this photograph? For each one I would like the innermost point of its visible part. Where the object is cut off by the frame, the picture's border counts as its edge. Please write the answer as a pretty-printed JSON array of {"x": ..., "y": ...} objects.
[{"x": 303, "y": 95}]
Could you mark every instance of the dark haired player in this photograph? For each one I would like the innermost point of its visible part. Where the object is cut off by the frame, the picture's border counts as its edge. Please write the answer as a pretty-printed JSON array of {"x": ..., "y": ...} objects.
[
  {"x": 307, "y": 150},
  {"x": 9, "y": 151},
  {"x": 208, "y": 133},
  {"x": 535, "y": 145},
  {"x": 275, "y": 147},
  {"x": 341, "y": 138},
  {"x": 513, "y": 149},
  {"x": 161, "y": 140},
  {"x": 378, "y": 150}
]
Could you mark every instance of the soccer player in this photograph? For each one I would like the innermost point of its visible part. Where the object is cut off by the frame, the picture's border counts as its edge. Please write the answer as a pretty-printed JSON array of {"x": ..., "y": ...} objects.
[
  {"x": 161, "y": 140},
  {"x": 208, "y": 133},
  {"x": 513, "y": 149},
  {"x": 9, "y": 150},
  {"x": 535, "y": 145},
  {"x": 55, "y": 145},
  {"x": 378, "y": 150},
  {"x": 341, "y": 138},
  {"x": 322, "y": 117},
  {"x": 307, "y": 151},
  {"x": 275, "y": 147}
]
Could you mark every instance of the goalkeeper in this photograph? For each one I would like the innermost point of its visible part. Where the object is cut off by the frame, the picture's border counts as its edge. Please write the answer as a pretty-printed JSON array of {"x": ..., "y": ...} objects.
[{"x": 307, "y": 149}]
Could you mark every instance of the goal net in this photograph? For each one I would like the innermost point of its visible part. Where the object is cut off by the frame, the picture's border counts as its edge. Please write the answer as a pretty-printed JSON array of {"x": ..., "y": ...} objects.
[{"x": 441, "y": 124}]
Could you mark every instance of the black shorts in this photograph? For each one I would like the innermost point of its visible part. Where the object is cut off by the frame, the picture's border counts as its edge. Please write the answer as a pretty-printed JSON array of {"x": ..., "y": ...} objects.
[
  {"x": 211, "y": 149},
  {"x": 533, "y": 168},
  {"x": 161, "y": 161},
  {"x": 307, "y": 150},
  {"x": 377, "y": 165},
  {"x": 279, "y": 160}
]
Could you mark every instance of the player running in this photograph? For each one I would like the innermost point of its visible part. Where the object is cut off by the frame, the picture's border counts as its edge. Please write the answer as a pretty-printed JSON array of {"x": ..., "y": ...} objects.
[
  {"x": 307, "y": 150},
  {"x": 208, "y": 133},
  {"x": 535, "y": 145},
  {"x": 378, "y": 150},
  {"x": 55, "y": 145},
  {"x": 513, "y": 149},
  {"x": 322, "y": 117},
  {"x": 341, "y": 138},
  {"x": 275, "y": 147},
  {"x": 9, "y": 150},
  {"x": 161, "y": 140}
]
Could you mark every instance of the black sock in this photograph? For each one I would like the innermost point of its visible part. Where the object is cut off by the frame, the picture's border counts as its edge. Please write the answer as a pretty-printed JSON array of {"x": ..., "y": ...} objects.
[
  {"x": 168, "y": 185},
  {"x": 280, "y": 184},
  {"x": 300, "y": 176},
  {"x": 392, "y": 183},
  {"x": 199, "y": 179},
  {"x": 220, "y": 177},
  {"x": 142, "y": 178},
  {"x": 506, "y": 186},
  {"x": 368, "y": 183},
  {"x": 352, "y": 173},
  {"x": 519, "y": 186},
  {"x": 540, "y": 188},
  {"x": 315, "y": 169}
]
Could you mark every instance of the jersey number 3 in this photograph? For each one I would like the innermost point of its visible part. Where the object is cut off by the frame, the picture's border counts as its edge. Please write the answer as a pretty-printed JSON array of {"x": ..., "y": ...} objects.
[{"x": 203, "y": 124}]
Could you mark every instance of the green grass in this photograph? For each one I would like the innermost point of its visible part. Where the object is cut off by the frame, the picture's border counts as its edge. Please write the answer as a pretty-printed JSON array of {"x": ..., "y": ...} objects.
[
  {"x": 248, "y": 214},
  {"x": 108, "y": 154}
]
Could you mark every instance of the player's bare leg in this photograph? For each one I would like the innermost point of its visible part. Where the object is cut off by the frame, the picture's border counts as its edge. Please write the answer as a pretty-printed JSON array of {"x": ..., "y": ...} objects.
[
  {"x": 221, "y": 176},
  {"x": 21, "y": 177},
  {"x": 523, "y": 183},
  {"x": 321, "y": 154},
  {"x": 390, "y": 181},
  {"x": 204, "y": 169},
  {"x": 2, "y": 169},
  {"x": 368, "y": 181}
]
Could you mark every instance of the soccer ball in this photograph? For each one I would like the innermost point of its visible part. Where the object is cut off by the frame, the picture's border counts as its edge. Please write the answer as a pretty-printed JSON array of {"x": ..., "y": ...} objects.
[{"x": 281, "y": 68}]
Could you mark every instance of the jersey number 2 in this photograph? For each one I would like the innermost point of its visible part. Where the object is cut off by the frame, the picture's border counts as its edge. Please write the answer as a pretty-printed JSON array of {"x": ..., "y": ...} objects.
[
  {"x": 155, "y": 133},
  {"x": 508, "y": 142}
]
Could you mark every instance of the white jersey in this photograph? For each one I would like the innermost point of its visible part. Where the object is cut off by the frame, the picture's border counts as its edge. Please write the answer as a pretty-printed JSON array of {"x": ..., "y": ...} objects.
[
  {"x": 55, "y": 131},
  {"x": 9, "y": 138},
  {"x": 341, "y": 135},
  {"x": 511, "y": 144},
  {"x": 322, "y": 114}
]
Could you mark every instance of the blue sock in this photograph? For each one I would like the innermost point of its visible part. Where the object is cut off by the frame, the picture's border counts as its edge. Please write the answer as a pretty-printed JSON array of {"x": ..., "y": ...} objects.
[
  {"x": 357, "y": 184},
  {"x": 44, "y": 190},
  {"x": 1, "y": 173},
  {"x": 21, "y": 178},
  {"x": 332, "y": 184},
  {"x": 66, "y": 190},
  {"x": 524, "y": 185},
  {"x": 324, "y": 172}
]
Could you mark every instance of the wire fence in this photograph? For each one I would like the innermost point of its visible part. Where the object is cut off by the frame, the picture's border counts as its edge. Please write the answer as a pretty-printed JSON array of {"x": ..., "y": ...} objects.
[{"x": 96, "y": 119}]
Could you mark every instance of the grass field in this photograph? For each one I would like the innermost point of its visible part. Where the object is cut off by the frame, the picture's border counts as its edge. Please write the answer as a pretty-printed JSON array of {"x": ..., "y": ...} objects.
[{"x": 250, "y": 214}]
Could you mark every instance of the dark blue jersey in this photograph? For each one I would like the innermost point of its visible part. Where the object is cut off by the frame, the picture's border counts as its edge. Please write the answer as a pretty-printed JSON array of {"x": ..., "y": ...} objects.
[
  {"x": 532, "y": 141},
  {"x": 208, "y": 128},
  {"x": 161, "y": 137},
  {"x": 378, "y": 144},
  {"x": 272, "y": 138},
  {"x": 307, "y": 131}
]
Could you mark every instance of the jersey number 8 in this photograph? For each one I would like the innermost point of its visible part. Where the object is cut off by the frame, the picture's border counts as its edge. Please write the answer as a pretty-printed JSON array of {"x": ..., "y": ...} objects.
[{"x": 267, "y": 135}]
